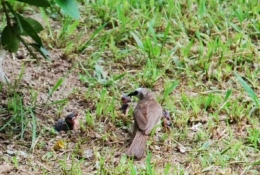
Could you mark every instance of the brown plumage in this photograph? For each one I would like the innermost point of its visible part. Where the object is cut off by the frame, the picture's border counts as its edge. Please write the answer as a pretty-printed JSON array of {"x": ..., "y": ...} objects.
[{"x": 147, "y": 114}]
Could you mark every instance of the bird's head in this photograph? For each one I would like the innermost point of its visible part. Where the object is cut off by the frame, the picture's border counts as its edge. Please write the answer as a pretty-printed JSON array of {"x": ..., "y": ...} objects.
[
  {"x": 125, "y": 99},
  {"x": 142, "y": 93},
  {"x": 70, "y": 119}
]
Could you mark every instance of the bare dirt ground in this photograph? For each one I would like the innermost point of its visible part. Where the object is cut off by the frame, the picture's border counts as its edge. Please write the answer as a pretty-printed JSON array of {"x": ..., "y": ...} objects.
[
  {"x": 41, "y": 78},
  {"x": 89, "y": 143}
]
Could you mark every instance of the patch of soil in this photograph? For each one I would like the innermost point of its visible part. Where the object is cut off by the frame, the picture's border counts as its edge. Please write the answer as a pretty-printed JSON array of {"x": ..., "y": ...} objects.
[{"x": 42, "y": 78}]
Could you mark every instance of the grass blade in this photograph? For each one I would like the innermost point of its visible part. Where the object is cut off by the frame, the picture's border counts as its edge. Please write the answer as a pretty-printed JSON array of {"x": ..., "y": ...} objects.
[
  {"x": 228, "y": 93},
  {"x": 34, "y": 127},
  {"x": 57, "y": 85},
  {"x": 84, "y": 46},
  {"x": 248, "y": 90},
  {"x": 169, "y": 88},
  {"x": 137, "y": 40},
  {"x": 256, "y": 162}
]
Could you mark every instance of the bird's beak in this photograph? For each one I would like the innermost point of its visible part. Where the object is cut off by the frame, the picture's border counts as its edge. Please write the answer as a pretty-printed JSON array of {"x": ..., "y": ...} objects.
[
  {"x": 133, "y": 93},
  {"x": 72, "y": 116}
]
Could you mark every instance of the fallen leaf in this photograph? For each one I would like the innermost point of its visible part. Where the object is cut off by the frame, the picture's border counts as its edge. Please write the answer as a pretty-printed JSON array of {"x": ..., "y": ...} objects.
[{"x": 60, "y": 144}]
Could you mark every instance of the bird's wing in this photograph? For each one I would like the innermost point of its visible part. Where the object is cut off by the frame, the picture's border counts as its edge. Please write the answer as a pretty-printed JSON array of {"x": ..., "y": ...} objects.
[
  {"x": 59, "y": 126},
  {"x": 147, "y": 114},
  {"x": 140, "y": 115},
  {"x": 155, "y": 114}
]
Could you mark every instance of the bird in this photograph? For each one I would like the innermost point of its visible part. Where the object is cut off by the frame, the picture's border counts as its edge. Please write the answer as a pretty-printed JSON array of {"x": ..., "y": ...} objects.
[
  {"x": 125, "y": 100},
  {"x": 166, "y": 120},
  {"x": 147, "y": 114},
  {"x": 70, "y": 123}
]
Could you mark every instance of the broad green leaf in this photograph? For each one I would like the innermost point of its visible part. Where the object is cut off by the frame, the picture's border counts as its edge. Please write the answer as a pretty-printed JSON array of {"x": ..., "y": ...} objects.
[
  {"x": 16, "y": 29},
  {"x": 38, "y": 3},
  {"x": 30, "y": 30},
  {"x": 41, "y": 50},
  {"x": 17, "y": 19},
  {"x": 70, "y": 7},
  {"x": 8, "y": 39},
  {"x": 35, "y": 24}
]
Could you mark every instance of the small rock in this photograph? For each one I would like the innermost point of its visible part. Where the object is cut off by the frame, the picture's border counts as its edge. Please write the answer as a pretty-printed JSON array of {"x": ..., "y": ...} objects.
[
  {"x": 88, "y": 153},
  {"x": 22, "y": 154},
  {"x": 10, "y": 152},
  {"x": 181, "y": 148},
  {"x": 196, "y": 127}
]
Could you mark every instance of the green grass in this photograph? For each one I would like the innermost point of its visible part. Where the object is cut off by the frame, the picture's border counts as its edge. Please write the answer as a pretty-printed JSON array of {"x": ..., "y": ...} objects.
[{"x": 200, "y": 58}]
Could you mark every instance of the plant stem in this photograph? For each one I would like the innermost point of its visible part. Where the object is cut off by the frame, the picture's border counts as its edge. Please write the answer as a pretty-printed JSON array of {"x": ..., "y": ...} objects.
[{"x": 14, "y": 33}]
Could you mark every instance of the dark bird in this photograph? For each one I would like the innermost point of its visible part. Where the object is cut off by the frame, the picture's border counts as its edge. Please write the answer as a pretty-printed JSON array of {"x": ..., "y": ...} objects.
[
  {"x": 70, "y": 123},
  {"x": 125, "y": 100},
  {"x": 147, "y": 114},
  {"x": 166, "y": 120}
]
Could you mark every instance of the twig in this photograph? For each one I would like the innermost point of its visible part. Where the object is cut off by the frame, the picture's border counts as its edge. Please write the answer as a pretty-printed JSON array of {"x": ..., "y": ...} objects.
[{"x": 6, "y": 14}]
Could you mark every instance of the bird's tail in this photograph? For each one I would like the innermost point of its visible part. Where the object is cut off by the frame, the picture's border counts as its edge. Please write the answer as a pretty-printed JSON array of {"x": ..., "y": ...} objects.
[{"x": 138, "y": 146}]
